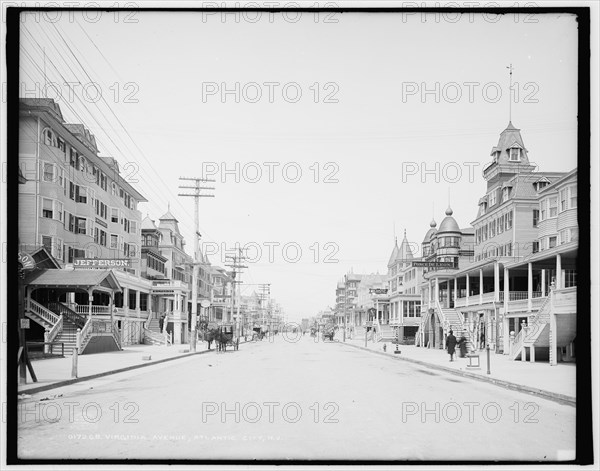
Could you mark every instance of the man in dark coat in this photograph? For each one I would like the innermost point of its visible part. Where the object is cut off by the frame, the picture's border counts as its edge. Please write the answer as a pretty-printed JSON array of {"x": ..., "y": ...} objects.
[
  {"x": 451, "y": 344},
  {"x": 462, "y": 344}
]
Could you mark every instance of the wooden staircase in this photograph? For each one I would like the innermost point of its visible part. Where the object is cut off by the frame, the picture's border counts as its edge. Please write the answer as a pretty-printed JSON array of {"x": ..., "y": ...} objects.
[{"x": 537, "y": 334}]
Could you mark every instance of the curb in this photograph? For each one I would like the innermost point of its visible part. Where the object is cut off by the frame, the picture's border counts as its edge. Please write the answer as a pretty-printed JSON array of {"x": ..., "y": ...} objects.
[
  {"x": 556, "y": 397},
  {"x": 68, "y": 382}
]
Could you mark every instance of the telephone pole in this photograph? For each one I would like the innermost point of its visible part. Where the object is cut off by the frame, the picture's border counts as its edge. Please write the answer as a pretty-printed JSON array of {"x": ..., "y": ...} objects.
[
  {"x": 265, "y": 291},
  {"x": 196, "y": 195},
  {"x": 236, "y": 266}
]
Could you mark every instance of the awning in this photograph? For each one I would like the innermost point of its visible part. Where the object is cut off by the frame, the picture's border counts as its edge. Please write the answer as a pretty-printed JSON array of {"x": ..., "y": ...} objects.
[{"x": 104, "y": 280}]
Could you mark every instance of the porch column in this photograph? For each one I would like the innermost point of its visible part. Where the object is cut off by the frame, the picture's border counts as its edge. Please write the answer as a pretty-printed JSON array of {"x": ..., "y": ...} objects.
[
  {"x": 90, "y": 301},
  {"x": 455, "y": 290},
  {"x": 496, "y": 281},
  {"x": 126, "y": 301},
  {"x": 437, "y": 291},
  {"x": 481, "y": 286},
  {"x": 529, "y": 285},
  {"x": 137, "y": 302},
  {"x": 468, "y": 290},
  {"x": 544, "y": 283},
  {"x": 558, "y": 282}
]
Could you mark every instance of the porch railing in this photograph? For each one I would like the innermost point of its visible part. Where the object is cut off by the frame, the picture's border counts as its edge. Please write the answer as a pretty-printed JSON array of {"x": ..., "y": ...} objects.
[
  {"x": 43, "y": 312},
  {"x": 54, "y": 331},
  {"x": 85, "y": 309}
]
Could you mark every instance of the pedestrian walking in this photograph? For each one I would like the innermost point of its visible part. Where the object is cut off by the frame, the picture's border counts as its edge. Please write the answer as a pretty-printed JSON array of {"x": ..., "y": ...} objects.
[
  {"x": 451, "y": 344},
  {"x": 161, "y": 322},
  {"x": 462, "y": 345}
]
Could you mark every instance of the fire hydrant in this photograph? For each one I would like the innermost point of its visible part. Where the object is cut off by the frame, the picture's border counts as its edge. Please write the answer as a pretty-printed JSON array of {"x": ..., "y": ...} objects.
[{"x": 385, "y": 347}]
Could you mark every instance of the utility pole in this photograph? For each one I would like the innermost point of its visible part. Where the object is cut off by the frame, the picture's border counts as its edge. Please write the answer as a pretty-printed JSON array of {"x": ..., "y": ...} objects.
[
  {"x": 236, "y": 266},
  {"x": 265, "y": 291},
  {"x": 196, "y": 195}
]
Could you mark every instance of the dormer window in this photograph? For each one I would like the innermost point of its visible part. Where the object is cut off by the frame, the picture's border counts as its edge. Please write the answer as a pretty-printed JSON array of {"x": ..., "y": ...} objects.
[
  {"x": 492, "y": 198},
  {"x": 505, "y": 193},
  {"x": 514, "y": 154}
]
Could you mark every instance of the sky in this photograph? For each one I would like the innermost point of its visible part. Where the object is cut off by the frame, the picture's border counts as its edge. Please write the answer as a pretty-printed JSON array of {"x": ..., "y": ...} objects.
[{"x": 371, "y": 124}]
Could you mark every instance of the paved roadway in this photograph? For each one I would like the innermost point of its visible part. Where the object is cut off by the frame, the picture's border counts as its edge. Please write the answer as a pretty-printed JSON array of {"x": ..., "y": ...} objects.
[{"x": 301, "y": 400}]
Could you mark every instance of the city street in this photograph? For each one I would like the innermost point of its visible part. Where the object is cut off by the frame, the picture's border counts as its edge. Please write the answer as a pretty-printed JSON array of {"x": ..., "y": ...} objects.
[{"x": 292, "y": 400}]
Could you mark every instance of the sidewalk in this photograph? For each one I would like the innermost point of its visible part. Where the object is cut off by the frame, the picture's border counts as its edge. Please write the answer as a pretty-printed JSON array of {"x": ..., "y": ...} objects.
[
  {"x": 52, "y": 372},
  {"x": 555, "y": 382}
]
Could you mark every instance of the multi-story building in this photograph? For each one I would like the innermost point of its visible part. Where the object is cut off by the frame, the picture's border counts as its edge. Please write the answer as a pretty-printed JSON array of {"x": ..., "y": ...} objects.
[
  {"x": 522, "y": 272},
  {"x": 78, "y": 205},
  {"x": 220, "y": 309},
  {"x": 404, "y": 294}
]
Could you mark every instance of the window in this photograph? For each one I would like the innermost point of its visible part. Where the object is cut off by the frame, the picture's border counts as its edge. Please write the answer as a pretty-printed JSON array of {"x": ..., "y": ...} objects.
[
  {"x": 543, "y": 204},
  {"x": 47, "y": 243},
  {"x": 573, "y": 191},
  {"x": 492, "y": 198},
  {"x": 47, "y": 211},
  {"x": 114, "y": 241},
  {"x": 510, "y": 219},
  {"x": 81, "y": 225},
  {"x": 72, "y": 191},
  {"x": 73, "y": 159},
  {"x": 61, "y": 145},
  {"x": 535, "y": 247},
  {"x": 101, "y": 209},
  {"x": 70, "y": 222},
  {"x": 515, "y": 154},
  {"x": 570, "y": 278},
  {"x": 133, "y": 227},
  {"x": 508, "y": 250},
  {"x": 114, "y": 215},
  {"x": 563, "y": 200},
  {"x": 81, "y": 194},
  {"x": 553, "y": 210},
  {"x": 101, "y": 180},
  {"x": 58, "y": 211},
  {"x": 61, "y": 176},
  {"x": 81, "y": 163},
  {"x": 113, "y": 187},
  {"x": 551, "y": 241},
  {"x": 492, "y": 228},
  {"x": 49, "y": 172},
  {"x": 102, "y": 238},
  {"x": 536, "y": 217},
  {"x": 574, "y": 234},
  {"x": 505, "y": 193},
  {"x": 49, "y": 138},
  {"x": 75, "y": 253},
  {"x": 564, "y": 236}
]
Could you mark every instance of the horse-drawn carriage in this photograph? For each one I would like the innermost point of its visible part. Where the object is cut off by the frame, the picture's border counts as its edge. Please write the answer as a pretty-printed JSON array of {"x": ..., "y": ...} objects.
[
  {"x": 328, "y": 332},
  {"x": 227, "y": 336},
  {"x": 223, "y": 334}
]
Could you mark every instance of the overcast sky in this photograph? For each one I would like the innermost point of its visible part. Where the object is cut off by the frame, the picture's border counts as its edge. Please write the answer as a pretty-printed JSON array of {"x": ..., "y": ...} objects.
[{"x": 361, "y": 120}]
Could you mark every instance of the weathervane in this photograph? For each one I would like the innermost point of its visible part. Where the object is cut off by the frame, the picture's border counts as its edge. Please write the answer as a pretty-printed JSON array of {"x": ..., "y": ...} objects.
[{"x": 510, "y": 68}]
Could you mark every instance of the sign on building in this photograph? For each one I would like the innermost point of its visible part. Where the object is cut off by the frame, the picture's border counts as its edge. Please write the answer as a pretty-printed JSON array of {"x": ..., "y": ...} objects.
[
  {"x": 433, "y": 264},
  {"x": 102, "y": 263}
]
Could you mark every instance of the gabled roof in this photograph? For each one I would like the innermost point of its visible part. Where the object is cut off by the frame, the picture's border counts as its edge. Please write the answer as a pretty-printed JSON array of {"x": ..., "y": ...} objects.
[
  {"x": 73, "y": 278},
  {"x": 148, "y": 224},
  {"x": 394, "y": 255}
]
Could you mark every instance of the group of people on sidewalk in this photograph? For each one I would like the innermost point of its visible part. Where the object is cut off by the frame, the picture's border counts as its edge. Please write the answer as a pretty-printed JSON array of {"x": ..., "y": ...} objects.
[{"x": 452, "y": 342}]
